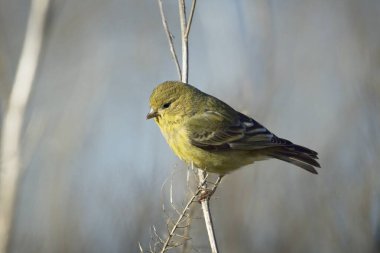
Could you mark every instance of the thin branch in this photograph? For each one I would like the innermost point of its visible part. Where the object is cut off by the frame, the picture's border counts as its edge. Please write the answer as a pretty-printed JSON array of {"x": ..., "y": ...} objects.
[
  {"x": 170, "y": 38},
  {"x": 189, "y": 175},
  {"x": 193, "y": 4},
  {"x": 140, "y": 248},
  {"x": 216, "y": 184},
  {"x": 14, "y": 117},
  {"x": 184, "y": 40},
  {"x": 182, "y": 236},
  {"x": 207, "y": 215},
  {"x": 166, "y": 245},
  {"x": 157, "y": 236}
]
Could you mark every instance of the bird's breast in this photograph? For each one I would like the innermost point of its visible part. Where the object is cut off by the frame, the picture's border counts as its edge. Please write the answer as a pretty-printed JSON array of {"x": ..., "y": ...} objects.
[
  {"x": 212, "y": 161},
  {"x": 177, "y": 139}
]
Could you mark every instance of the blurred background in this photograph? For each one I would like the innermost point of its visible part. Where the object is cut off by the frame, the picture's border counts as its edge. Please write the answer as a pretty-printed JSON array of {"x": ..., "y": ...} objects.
[{"x": 93, "y": 167}]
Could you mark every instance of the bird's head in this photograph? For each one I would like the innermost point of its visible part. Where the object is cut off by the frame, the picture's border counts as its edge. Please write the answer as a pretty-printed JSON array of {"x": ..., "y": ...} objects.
[{"x": 171, "y": 100}]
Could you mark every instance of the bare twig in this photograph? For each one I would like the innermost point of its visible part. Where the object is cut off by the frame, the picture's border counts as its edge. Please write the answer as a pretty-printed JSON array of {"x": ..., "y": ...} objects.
[
  {"x": 184, "y": 40},
  {"x": 193, "y": 4},
  {"x": 216, "y": 184},
  {"x": 166, "y": 245},
  {"x": 170, "y": 38},
  {"x": 193, "y": 184},
  {"x": 13, "y": 121},
  {"x": 206, "y": 212},
  {"x": 140, "y": 248}
]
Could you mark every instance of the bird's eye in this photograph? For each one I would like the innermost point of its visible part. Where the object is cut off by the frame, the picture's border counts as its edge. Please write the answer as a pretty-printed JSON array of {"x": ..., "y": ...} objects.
[{"x": 166, "y": 105}]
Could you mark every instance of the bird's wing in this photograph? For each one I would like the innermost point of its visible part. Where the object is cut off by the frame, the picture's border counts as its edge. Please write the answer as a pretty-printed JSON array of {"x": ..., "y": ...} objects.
[{"x": 214, "y": 130}]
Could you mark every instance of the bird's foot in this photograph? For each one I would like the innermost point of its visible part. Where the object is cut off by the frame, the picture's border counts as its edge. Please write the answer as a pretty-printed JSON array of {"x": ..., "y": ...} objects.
[{"x": 205, "y": 194}]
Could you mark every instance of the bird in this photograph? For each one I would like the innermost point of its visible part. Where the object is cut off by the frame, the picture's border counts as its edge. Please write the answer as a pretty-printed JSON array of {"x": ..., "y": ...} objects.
[{"x": 205, "y": 131}]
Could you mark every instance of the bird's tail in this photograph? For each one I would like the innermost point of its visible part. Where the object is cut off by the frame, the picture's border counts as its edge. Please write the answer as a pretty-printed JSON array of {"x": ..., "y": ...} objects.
[{"x": 300, "y": 156}]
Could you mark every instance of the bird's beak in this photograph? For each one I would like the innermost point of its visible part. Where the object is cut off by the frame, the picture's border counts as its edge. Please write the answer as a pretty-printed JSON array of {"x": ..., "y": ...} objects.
[{"x": 152, "y": 114}]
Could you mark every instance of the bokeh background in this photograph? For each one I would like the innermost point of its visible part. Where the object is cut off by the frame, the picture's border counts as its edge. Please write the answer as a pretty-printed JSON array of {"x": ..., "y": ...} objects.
[{"x": 93, "y": 167}]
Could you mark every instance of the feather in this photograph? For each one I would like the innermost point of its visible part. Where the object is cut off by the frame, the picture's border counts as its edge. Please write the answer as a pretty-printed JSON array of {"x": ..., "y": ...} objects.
[{"x": 245, "y": 134}]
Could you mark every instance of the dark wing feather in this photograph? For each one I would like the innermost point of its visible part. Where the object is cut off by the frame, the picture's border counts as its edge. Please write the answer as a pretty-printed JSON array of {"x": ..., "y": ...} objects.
[{"x": 215, "y": 131}]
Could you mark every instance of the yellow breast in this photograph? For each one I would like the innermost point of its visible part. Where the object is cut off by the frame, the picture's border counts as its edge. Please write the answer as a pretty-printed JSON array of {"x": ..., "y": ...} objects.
[
  {"x": 177, "y": 139},
  {"x": 212, "y": 161}
]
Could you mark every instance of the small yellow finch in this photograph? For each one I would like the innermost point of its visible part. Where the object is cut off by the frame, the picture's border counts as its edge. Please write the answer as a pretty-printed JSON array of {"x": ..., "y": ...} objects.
[{"x": 213, "y": 136}]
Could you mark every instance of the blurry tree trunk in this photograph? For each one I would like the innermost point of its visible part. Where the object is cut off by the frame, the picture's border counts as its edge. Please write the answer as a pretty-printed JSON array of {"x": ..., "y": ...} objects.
[{"x": 14, "y": 115}]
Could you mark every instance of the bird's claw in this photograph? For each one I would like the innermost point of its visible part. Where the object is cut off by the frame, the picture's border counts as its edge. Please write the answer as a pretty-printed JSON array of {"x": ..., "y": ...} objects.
[{"x": 205, "y": 194}]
